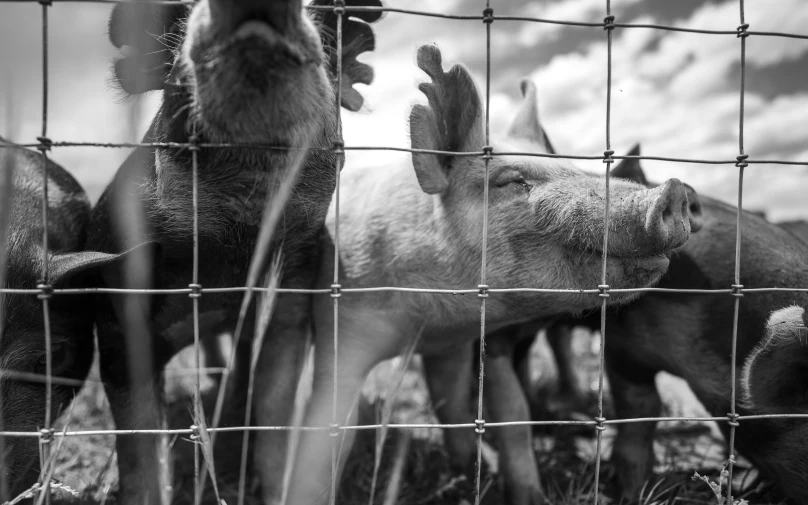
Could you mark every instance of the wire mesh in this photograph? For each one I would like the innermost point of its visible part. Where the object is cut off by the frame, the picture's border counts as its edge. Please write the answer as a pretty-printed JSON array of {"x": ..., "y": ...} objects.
[{"x": 45, "y": 291}]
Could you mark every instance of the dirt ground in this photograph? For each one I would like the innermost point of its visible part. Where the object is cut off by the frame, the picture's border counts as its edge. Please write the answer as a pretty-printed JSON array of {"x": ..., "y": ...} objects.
[{"x": 566, "y": 454}]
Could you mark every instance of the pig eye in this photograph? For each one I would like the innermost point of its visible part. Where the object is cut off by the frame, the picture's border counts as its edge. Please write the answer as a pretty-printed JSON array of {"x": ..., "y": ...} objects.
[{"x": 519, "y": 181}]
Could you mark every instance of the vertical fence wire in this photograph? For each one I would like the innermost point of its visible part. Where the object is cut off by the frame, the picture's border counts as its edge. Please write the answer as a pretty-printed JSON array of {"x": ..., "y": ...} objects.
[
  {"x": 737, "y": 287},
  {"x": 339, "y": 11},
  {"x": 44, "y": 286},
  {"x": 488, "y": 19},
  {"x": 195, "y": 295},
  {"x": 604, "y": 286}
]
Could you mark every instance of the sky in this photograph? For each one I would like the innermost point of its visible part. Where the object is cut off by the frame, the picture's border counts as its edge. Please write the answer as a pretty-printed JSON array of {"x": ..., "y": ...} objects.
[{"x": 677, "y": 94}]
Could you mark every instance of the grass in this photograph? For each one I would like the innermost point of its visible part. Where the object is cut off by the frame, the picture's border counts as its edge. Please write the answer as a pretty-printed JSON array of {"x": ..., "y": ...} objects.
[{"x": 414, "y": 460}]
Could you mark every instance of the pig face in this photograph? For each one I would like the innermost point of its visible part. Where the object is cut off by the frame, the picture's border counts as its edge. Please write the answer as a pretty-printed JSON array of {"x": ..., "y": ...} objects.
[
  {"x": 774, "y": 381},
  {"x": 542, "y": 211},
  {"x": 226, "y": 68}
]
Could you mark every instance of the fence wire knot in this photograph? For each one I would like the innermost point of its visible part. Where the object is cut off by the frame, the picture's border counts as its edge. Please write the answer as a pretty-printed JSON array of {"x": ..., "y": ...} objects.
[
  {"x": 333, "y": 429},
  {"x": 339, "y": 7},
  {"x": 480, "y": 428},
  {"x": 193, "y": 143},
  {"x": 742, "y": 160},
  {"x": 338, "y": 148},
  {"x": 196, "y": 290},
  {"x": 742, "y": 33},
  {"x": 482, "y": 291},
  {"x": 46, "y": 435},
  {"x": 336, "y": 290},
  {"x": 488, "y": 152},
  {"x": 733, "y": 419},
  {"x": 45, "y": 3},
  {"x": 488, "y": 15},
  {"x": 45, "y": 291},
  {"x": 45, "y": 143},
  {"x": 607, "y": 156},
  {"x": 601, "y": 423},
  {"x": 604, "y": 290},
  {"x": 737, "y": 290},
  {"x": 608, "y": 23},
  {"x": 195, "y": 432}
]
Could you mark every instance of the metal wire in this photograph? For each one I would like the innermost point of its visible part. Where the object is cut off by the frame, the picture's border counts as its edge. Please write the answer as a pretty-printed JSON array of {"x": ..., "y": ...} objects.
[
  {"x": 45, "y": 291},
  {"x": 604, "y": 286},
  {"x": 339, "y": 10},
  {"x": 488, "y": 20},
  {"x": 463, "y": 154},
  {"x": 732, "y": 415},
  {"x": 45, "y": 286}
]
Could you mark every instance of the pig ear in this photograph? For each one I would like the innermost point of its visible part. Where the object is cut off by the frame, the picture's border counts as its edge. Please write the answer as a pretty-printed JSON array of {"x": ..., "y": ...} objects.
[
  {"x": 452, "y": 121},
  {"x": 152, "y": 32},
  {"x": 85, "y": 268},
  {"x": 630, "y": 168},
  {"x": 776, "y": 372},
  {"x": 526, "y": 124},
  {"x": 357, "y": 38}
]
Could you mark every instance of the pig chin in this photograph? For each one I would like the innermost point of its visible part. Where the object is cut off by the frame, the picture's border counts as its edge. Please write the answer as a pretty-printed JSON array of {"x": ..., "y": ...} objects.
[
  {"x": 624, "y": 272},
  {"x": 635, "y": 272},
  {"x": 239, "y": 82}
]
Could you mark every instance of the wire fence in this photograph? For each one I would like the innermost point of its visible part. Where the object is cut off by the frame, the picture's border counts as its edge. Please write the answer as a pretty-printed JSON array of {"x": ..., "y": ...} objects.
[{"x": 44, "y": 291}]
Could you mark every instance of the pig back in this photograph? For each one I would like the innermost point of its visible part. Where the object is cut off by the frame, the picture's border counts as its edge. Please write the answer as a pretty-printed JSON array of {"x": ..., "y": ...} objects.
[{"x": 68, "y": 205}]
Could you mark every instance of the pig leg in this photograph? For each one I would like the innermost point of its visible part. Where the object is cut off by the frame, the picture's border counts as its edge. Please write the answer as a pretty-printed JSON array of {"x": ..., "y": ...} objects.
[
  {"x": 362, "y": 344},
  {"x": 505, "y": 401},
  {"x": 136, "y": 403},
  {"x": 570, "y": 394},
  {"x": 635, "y": 395},
  {"x": 276, "y": 378},
  {"x": 449, "y": 379}
]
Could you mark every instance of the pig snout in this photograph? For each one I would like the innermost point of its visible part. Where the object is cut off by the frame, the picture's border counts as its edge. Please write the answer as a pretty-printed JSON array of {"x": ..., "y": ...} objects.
[
  {"x": 235, "y": 16},
  {"x": 667, "y": 223}
]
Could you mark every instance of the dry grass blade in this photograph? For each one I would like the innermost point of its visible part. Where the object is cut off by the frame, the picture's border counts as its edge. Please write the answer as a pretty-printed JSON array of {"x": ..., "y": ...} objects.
[
  {"x": 266, "y": 306},
  {"x": 47, "y": 470},
  {"x": 389, "y": 404},
  {"x": 302, "y": 394},
  {"x": 273, "y": 211},
  {"x": 394, "y": 484},
  {"x": 206, "y": 445}
]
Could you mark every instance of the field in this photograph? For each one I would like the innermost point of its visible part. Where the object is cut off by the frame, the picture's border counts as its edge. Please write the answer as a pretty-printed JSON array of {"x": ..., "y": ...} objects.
[{"x": 565, "y": 454}]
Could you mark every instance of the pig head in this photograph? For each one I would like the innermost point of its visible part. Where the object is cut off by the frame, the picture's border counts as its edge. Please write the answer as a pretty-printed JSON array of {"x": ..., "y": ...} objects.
[
  {"x": 542, "y": 211},
  {"x": 258, "y": 74},
  {"x": 22, "y": 329}
]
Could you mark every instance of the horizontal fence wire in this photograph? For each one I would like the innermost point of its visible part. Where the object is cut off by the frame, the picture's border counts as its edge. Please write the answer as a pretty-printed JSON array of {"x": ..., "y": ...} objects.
[
  {"x": 45, "y": 292},
  {"x": 467, "y": 17},
  {"x": 488, "y": 424},
  {"x": 461, "y": 154}
]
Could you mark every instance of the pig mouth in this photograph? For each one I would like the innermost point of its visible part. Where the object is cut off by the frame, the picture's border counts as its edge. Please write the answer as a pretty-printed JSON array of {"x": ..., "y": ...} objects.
[
  {"x": 259, "y": 36},
  {"x": 631, "y": 263}
]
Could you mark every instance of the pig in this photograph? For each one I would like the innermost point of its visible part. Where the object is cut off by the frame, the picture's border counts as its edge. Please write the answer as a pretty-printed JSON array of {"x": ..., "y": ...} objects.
[
  {"x": 798, "y": 227},
  {"x": 22, "y": 334},
  {"x": 241, "y": 72},
  {"x": 420, "y": 226},
  {"x": 690, "y": 335}
]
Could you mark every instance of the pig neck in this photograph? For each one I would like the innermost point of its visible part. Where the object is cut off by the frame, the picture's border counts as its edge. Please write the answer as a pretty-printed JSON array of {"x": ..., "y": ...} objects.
[
  {"x": 394, "y": 234},
  {"x": 233, "y": 183}
]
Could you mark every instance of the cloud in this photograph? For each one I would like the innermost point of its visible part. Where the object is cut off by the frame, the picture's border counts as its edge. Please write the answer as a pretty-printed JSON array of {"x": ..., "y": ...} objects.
[{"x": 677, "y": 93}]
